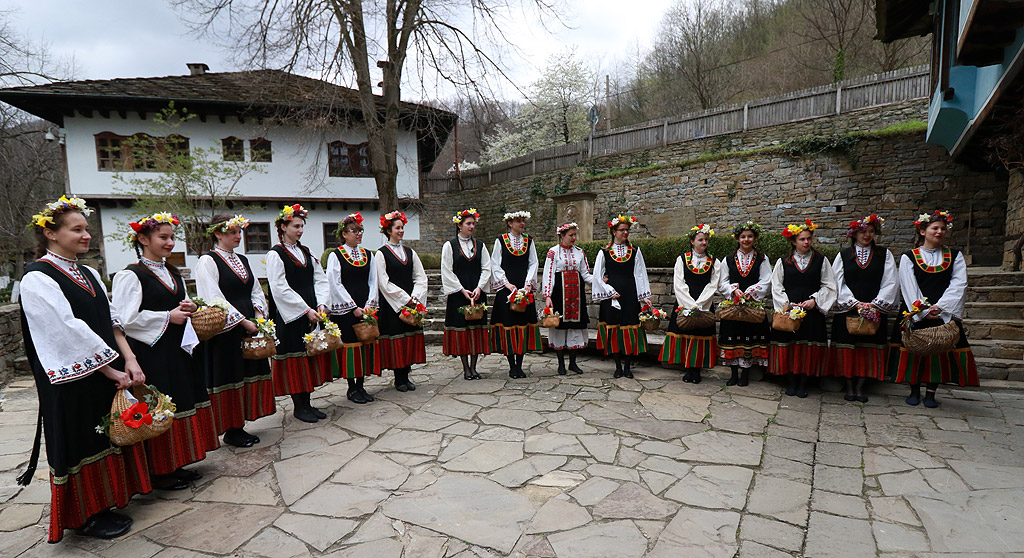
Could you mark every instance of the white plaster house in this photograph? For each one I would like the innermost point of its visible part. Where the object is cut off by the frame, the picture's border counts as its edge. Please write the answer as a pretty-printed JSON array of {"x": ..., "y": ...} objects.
[{"x": 239, "y": 114}]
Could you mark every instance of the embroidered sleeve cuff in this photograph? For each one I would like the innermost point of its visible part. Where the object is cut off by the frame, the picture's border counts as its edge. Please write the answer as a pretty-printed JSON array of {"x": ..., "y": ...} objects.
[
  {"x": 234, "y": 318},
  {"x": 167, "y": 321},
  {"x": 77, "y": 370},
  {"x": 889, "y": 307},
  {"x": 643, "y": 295},
  {"x": 117, "y": 323},
  {"x": 598, "y": 297},
  {"x": 343, "y": 308}
]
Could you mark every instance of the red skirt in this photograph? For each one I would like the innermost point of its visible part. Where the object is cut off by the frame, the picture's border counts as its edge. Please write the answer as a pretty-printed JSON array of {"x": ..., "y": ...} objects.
[
  {"x": 857, "y": 362},
  {"x": 234, "y": 404},
  {"x": 188, "y": 440},
  {"x": 516, "y": 340},
  {"x": 97, "y": 484},
  {"x": 689, "y": 351},
  {"x": 625, "y": 340},
  {"x": 356, "y": 360},
  {"x": 469, "y": 341},
  {"x": 951, "y": 367},
  {"x": 804, "y": 358},
  {"x": 401, "y": 351},
  {"x": 300, "y": 374}
]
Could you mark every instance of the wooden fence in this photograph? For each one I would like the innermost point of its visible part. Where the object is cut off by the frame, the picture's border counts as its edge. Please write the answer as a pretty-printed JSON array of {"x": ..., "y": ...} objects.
[{"x": 827, "y": 100}]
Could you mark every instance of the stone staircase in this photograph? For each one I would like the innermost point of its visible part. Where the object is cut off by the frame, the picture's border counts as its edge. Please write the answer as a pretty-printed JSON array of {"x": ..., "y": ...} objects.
[{"x": 994, "y": 318}]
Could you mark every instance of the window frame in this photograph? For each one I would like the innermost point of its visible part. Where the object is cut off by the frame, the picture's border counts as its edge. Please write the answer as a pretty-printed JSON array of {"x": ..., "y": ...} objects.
[
  {"x": 249, "y": 249},
  {"x": 347, "y": 161},
  {"x": 232, "y": 149},
  {"x": 262, "y": 154},
  {"x": 331, "y": 240}
]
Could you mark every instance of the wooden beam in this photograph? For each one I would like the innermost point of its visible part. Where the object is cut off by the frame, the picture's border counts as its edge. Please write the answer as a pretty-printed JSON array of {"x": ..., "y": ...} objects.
[
  {"x": 123, "y": 114},
  {"x": 142, "y": 114},
  {"x": 104, "y": 113},
  {"x": 85, "y": 112},
  {"x": 202, "y": 117},
  {"x": 223, "y": 119}
]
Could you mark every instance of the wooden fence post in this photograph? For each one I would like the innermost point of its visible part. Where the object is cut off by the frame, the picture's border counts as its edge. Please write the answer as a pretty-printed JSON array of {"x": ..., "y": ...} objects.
[
  {"x": 746, "y": 111},
  {"x": 839, "y": 98}
]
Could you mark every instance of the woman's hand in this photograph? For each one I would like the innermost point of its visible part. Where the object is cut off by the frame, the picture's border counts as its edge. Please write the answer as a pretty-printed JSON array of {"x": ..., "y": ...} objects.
[
  {"x": 179, "y": 316},
  {"x": 647, "y": 302},
  {"x": 547, "y": 302},
  {"x": 313, "y": 315},
  {"x": 736, "y": 293},
  {"x": 468, "y": 295},
  {"x": 322, "y": 309},
  {"x": 528, "y": 288},
  {"x": 934, "y": 312},
  {"x": 510, "y": 286},
  {"x": 249, "y": 326},
  {"x": 476, "y": 294},
  {"x": 808, "y": 304},
  {"x": 121, "y": 379},
  {"x": 134, "y": 371},
  {"x": 188, "y": 306},
  {"x": 358, "y": 312}
]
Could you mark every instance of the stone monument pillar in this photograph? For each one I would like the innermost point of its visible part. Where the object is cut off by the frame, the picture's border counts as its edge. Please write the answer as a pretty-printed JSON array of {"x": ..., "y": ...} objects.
[{"x": 578, "y": 207}]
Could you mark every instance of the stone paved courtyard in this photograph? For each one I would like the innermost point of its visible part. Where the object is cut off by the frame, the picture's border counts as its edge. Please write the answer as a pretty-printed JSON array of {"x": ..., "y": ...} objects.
[{"x": 576, "y": 466}]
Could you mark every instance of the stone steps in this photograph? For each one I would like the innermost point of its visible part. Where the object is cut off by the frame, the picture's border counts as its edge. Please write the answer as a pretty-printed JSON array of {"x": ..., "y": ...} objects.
[
  {"x": 998, "y": 348},
  {"x": 999, "y": 293},
  {"x": 995, "y": 310},
  {"x": 994, "y": 277},
  {"x": 1000, "y": 369}
]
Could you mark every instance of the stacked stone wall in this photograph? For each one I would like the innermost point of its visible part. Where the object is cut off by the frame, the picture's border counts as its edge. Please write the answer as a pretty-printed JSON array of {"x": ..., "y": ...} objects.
[{"x": 11, "y": 345}]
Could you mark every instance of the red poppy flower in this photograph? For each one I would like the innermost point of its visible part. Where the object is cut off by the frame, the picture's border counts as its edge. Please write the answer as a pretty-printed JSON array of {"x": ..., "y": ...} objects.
[
  {"x": 405, "y": 312},
  {"x": 136, "y": 415},
  {"x": 421, "y": 308},
  {"x": 787, "y": 233},
  {"x": 136, "y": 227},
  {"x": 737, "y": 299},
  {"x": 854, "y": 224},
  {"x": 917, "y": 303},
  {"x": 175, "y": 221},
  {"x": 297, "y": 207}
]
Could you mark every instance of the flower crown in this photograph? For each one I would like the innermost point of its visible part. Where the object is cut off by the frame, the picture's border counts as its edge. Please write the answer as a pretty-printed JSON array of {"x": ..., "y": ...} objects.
[
  {"x": 924, "y": 218},
  {"x": 792, "y": 231},
  {"x": 460, "y": 216},
  {"x": 620, "y": 219},
  {"x": 566, "y": 227},
  {"x": 748, "y": 226},
  {"x": 290, "y": 211},
  {"x": 862, "y": 225},
  {"x": 45, "y": 217},
  {"x": 153, "y": 221},
  {"x": 236, "y": 222},
  {"x": 701, "y": 228},
  {"x": 385, "y": 220},
  {"x": 352, "y": 218},
  {"x": 517, "y": 215}
]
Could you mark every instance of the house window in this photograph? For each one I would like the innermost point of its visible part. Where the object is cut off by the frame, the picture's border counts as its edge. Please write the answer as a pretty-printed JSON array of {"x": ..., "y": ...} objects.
[
  {"x": 233, "y": 149},
  {"x": 197, "y": 242},
  {"x": 111, "y": 154},
  {"x": 257, "y": 238},
  {"x": 345, "y": 159},
  {"x": 331, "y": 239},
  {"x": 259, "y": 150}
]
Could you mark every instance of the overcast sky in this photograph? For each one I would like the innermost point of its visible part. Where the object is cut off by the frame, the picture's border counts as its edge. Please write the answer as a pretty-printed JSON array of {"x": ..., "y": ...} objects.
[{"x": 145, "y": 38}]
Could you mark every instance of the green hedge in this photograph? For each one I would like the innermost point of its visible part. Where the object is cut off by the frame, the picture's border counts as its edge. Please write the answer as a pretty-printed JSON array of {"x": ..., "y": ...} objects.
[{"x": 662, "y": 252}]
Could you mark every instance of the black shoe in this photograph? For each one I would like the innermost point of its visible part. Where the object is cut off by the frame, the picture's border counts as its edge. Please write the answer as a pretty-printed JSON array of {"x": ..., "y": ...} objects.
[
  {"x": 734, "y": 378},
  {"x": 369, "y": 398},
  {"x": 561, "y": 369},
  {"x": 862, "y": 398},
  {"x": 169, "y": 482},
  {"x": 575, "y": 368},
  {"x": 240, "y": 438},
  {"x": 627, "y": 373},
  {"x": 306, "y": 414},
  {"x": 688, "y": 377},
  {"x": 187, "y": 475},
  {"x": 402, "y": 387},
  {"x": 357, "y": 398},
  {"x": 930, "y": 402},
  {"x": 618, "y": 373},
  {"x": 801, "y": 394},
  {"x": 913, "y": 400},
  {"x": 105, "y": 525},
  {"x": 319, "y": 414},
  {"x": 850, "y": 397},
  {"x": 696, "y": 377},
  {"x": 744, "y": 377},
  {"x": 791, "y": 391},
  {"x": 731, "y": 381},
  {"x": 411, "y": 386}
]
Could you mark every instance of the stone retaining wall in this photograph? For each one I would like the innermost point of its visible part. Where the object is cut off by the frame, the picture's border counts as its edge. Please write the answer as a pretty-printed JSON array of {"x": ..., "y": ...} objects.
[{"x": 11, "y": 345}]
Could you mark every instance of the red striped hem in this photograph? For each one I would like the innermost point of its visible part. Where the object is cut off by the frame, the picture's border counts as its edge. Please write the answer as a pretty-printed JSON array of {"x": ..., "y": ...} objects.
[
  {"x": 798, "y": 358},
  {"x": 738, "y": 351},
  {"x": 689, "y": 351},
  {"x": 356, "y": 360},
  {"x": 859, "y": 362},
  {"x": 399, "y": 352},
  {"x": 470, "y": 341},
  {"x": 301, "y": 374},
  {"x": 186, "y": 442},
  {"x": 101, "y": 483},
  {"x": 949, "y": 367},
  {"x": 516, "y": 340},
  {"x": 253, "y": 399},
  {"x": 616, "y": 339}
]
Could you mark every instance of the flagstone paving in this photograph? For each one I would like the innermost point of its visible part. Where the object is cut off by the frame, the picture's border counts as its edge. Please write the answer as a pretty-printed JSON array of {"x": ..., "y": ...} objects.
[{"x": 575, "y": 467}]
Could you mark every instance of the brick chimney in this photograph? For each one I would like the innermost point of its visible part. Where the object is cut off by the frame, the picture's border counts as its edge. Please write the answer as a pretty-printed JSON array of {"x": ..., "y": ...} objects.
[{"x": 197, "y": 68}]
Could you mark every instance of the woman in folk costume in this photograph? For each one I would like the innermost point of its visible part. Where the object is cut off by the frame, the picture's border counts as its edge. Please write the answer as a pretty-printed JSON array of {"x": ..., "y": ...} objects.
[
  {"x": 465, "y": 273},
  {"x": 240, "y": 389},
  {"x": 80, "y": 358},
  {"x": 746, "y": 275},
  {"x": 565, "y": 272},
  {"x": 803, "y": 279},
  {"x": 155, "y": 310},
  {"x": 620, "y": 286},
  {"x": 868, "y": 290},
  {"x": 403, "y": 286},
  {"x": 695, "y": 280},
  {"x": 933, "y": 278},
  {"x": 352, "y": 276},
  {"x": 299, "y": 294},
  {"x": 514, "y": 267}
]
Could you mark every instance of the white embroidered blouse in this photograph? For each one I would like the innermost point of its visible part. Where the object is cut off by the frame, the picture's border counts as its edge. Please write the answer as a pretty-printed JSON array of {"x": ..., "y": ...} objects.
[
  {"x": 559, "y": 259},
  {"x": 887, "y": 299},
  {"x": 395, "y": 296},
  {"x": 684, "y": 298},
  {"x": 603, "y": 291},
  {"x": 341, "y": 301},
  {"x": 208, "y": 284},
  {"x": 289, "y": 303},
  {"x": 449, "y": 281},
  {"x": 824, "y": 297}
]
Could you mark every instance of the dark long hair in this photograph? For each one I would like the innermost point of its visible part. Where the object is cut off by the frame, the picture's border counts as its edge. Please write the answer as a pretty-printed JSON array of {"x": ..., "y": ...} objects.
[
  {"x": 918, "y": 237},
  {"x": 43, "y": 243},
  {"x": 280, "y": 233},
  {"x": 792, "y": 248}
]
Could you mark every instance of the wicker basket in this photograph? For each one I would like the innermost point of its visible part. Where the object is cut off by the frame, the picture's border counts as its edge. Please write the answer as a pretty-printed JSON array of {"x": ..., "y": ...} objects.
[
  {"x": 859, "y": 326},
  {"x": 652, "y": 324},
  {"x": 931, "y": 340},
  {"x": 698, "y": 320},
  {"x": 550, "y": 320},
  {"x": 741, "y": 313},
  {"x": 322, "y": 343},
  {"x": 124, "y": 435},
  {"x": 476, "y": 312},
  {"x": 782, "y": 322},
  {"x": 366, "y": 333},
  {"x": 516, "y": 307},
  {"x": 411, "y": 319},
  {"x": 208, "y": 322},
  {"x": 258, "y": 348}
]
